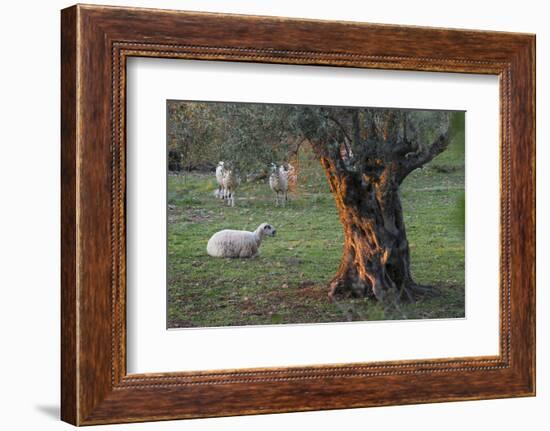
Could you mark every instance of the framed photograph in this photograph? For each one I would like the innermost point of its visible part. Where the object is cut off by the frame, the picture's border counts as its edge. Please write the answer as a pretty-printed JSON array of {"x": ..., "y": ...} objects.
[{"x": 265, "y": 215}]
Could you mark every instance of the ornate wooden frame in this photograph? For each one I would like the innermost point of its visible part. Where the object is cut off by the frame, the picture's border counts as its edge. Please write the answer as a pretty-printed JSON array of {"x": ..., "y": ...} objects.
[{"x": 95, "y": 43}]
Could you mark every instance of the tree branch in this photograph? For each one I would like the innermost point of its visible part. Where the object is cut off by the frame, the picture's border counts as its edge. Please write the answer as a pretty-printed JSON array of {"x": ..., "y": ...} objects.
[
  {"x": 427, "y": 155},
  {"x": 342, "y": 128},
  {"x": 400, "y": 149}
]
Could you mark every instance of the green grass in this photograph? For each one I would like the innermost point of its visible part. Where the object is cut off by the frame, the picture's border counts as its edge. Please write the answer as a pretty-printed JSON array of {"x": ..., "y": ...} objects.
[{"x": 287, "y": 283}]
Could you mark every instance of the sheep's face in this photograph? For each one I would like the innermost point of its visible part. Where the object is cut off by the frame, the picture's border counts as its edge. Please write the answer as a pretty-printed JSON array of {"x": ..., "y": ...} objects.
[{"x": 267, "y": 229}]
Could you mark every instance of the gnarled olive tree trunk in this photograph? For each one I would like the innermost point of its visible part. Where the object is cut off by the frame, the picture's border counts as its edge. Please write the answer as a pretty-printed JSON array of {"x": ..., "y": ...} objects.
[
  {"x": 375, "y": 257},
  {"x": 364, "y": 177}
]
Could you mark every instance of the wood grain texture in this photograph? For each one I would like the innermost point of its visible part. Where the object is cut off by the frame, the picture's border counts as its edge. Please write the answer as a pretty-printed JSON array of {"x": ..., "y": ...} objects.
[
  {"x": 96, "y": 41},
  {"x": 69, "y": 366}
]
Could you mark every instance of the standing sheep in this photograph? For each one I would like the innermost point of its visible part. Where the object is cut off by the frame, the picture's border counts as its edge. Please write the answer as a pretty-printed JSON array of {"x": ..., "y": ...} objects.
[
  {"x": 230, "y": 182},
  {"x": 279, "y": 182},
  {"x": 220, "y": 170},
  {"x": 238, "y": 243}
]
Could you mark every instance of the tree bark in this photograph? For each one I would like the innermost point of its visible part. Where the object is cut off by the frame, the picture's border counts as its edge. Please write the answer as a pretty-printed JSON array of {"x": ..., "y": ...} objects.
[
  {"x": 376, "y": 258},
  {"x": 364, "y": 180}
]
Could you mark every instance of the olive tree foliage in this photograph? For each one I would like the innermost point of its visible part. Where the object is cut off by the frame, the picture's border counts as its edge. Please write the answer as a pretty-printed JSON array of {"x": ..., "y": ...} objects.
[
  {"x": 363, "y": 140},
  {"x": 191, "y": 141},
  {"x": 247, "y": 137},
  {"x": 252, "y": 136}
]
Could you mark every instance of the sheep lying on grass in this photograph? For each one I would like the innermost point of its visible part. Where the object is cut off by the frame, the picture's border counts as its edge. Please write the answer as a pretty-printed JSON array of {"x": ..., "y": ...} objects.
[{"x": 238, "y": 243}]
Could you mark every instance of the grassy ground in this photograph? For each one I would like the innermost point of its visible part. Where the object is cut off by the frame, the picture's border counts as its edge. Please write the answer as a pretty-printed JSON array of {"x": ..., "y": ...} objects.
[{"x": 287, "y": 283}]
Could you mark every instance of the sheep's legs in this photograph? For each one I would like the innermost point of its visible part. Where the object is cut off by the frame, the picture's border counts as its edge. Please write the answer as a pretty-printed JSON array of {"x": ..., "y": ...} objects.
[
  {"x": 281, "y": 200},
  {"x": 231, "y": 199}
]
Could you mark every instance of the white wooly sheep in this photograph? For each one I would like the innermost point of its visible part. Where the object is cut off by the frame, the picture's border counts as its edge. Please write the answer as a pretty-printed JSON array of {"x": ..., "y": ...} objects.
[
  {"x": 230, "y": 182},
  {"x": 281, "y": 179},
  {"x": 238, "y": 243},
  {"x": 220, "y": 170}
]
